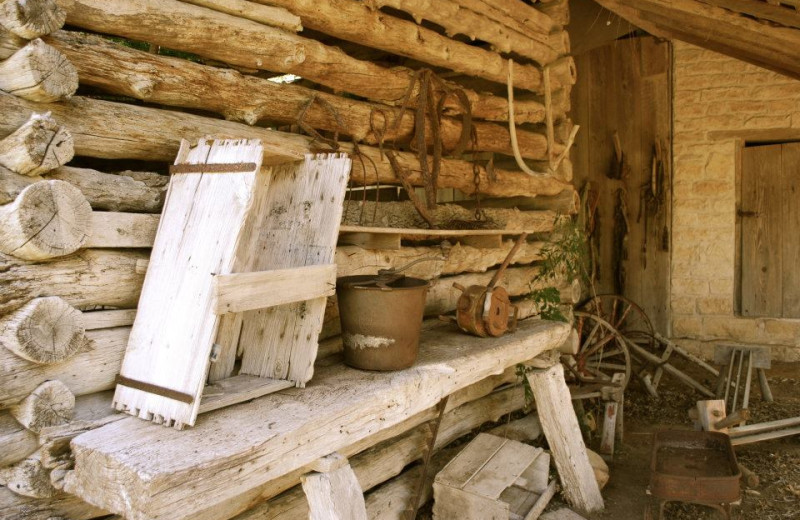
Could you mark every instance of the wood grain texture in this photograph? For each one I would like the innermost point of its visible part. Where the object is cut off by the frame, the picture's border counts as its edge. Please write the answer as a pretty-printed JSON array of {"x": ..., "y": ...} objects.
[
  {"x": 761, "y": 269},
  {"x": 563, "y": 434},
  {"x": 38, "y": 72},
  {"x": 38, "y": 146},
  {"x": 347, "y": 404},
  {"x": 175, "y": 325},
  {"x": 790, "y": 188},
  {"x": 334, "y": 496},
  {"x": 300, "y": 229}
]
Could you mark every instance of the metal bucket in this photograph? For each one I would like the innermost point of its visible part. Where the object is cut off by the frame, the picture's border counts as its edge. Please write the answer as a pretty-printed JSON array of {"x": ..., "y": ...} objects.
[{"x": 381, "y": 325}]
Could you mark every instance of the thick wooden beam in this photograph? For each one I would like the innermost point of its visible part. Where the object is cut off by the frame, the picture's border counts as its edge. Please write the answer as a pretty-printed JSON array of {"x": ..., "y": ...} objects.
[
  {"x": 347, "y": 404},
  {"x": 758, "y": 9},
  {"x": 249, "y": 99},
  {"x": 241, "y": 292},
  {"x": 266, "y": 14},
  {"x": 716, "y": 29},
  {"x": 141, "y": 192},
  {"x": 120, "y": 131},
  {"x": 560, "y": 426},
  {"x": 249, "y": 44},
  {"x": 354, "y": 21},
  {"x": 120, "y": 230}
]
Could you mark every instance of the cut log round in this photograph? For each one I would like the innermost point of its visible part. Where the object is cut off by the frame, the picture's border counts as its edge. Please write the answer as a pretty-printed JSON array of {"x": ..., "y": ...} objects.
[
  {"x": 30, "y": 19},
  {"x": 10, "y": 43},
  {"x": 46, "y": 220},
  {"x": 28, "y": 478},
  {"x": 36, "y": 147},
  {"x": 50, "y": 404},
  {"x": 46, "y": 330},
  {"x": 40, "y": 73}
]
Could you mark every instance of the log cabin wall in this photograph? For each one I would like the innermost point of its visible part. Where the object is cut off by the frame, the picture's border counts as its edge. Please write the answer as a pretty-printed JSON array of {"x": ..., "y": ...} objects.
[
  {"x": 82, "y": 183},
  {"x": 721, "y": 104},
  {"x": 624, "y": 88}
]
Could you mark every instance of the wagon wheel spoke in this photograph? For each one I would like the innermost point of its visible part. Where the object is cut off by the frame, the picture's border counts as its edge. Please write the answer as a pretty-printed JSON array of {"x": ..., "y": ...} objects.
[
  {"x": 621, "y": 320},
  {"x": 600, "y": 344}
]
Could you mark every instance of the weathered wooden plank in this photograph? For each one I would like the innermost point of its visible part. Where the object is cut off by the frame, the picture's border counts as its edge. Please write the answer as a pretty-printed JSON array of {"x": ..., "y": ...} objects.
[
  {"x": 117, "y": 230},
  {"x": 560, "y": 426},
  {"x": 144, "y": 474},
  {"x": 175, "y": 325},
  {"x": 300, "y": 229},
  {"x": 761, "y": 231},
  {"x": 239, "y": 292},
  {"x": 790, "y": 282}
]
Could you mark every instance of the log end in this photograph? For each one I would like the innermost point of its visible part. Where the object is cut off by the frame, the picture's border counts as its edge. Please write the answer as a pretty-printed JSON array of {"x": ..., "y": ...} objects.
[
  {"x": 50, "y": 404},
  {"x": 28, "y": 478},
  {"x": 39, "y": 72},
  {"x": 48, "y": 219},
  {"x": 45, "y": 331},
  {"x": 31, "y": 19},
  {"x": 37, "y": 147}
]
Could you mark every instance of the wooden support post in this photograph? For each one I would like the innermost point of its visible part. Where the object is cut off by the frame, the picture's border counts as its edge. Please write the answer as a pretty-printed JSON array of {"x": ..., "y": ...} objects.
[
  {"x": 564, "y": 436},
  {"x": 766, "y": 393},
  {"x": 38, "y": 72},
  {"x": 334, "y": 495},
  {"x": 38, "y": 146},
  {"x": 47, "y": 219}
]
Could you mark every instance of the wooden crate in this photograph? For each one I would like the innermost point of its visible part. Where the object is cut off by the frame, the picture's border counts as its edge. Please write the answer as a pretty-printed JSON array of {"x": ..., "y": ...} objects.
[{"x": 494, "y": 479}]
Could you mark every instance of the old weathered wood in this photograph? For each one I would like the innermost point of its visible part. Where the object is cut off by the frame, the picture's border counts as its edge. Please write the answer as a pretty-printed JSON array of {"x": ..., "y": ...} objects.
[
  {"x": 790, "y": 249},
  {"x": 60, "y": 505},
  {"x": 85, "y": 373},
  {"x": 89, "y": 277},
  {"x": 47, "y": 219},
  {"x": 386, "y": 459},
  {"x": 38, "y": 72},
  {"x": 240, "y": 292},
  {"x": 50, "y": 404},
  {"x": 119, "y": 230},
  {"x": 122, "y": 191},
  {"x": 239, "y": 97},
  {"x": 736, "y": 36},
  {"x": 173, "y": 333},
  {"x": 300, "y": 229},
  {"x": 249, "y": 44},
  {"x": 16, "y": 441},
  {"x": 38, "y": 146},
  {"x": 176, "y": 82},
  {"x": 28, "y": 478},
  {"x": 30, "y": 19},
  {"x": 457, "y": 20},
  {"x": 46, "y": 330},
  {"x": 561, "y": 428},
  {"x": 116, "y": 130},
  {"x": 446, "y": 216},
  {"x": 356, "y": 22},
  {"x": 266, "y": 14},
  {"x": 295, "y": 415},
  {"x": 335, "y": 495},
  {"x": 10, "y": 43}
]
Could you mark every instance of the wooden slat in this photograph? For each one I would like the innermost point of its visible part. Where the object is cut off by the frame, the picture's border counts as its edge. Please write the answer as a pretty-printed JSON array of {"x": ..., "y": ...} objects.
[
  {"x": 175, "y": 325},
  {"x": 761, "y": 233},
  {"x": 241, "y": 292},
  {"x": 238, "y": 389},
  {"x": 502, "y": 470},
  {"x": 106, "y": 319},
  {"x": 790, "y": 229},
  {"x": 458, "y": 472},
  {"x": 300, "y": 229}
]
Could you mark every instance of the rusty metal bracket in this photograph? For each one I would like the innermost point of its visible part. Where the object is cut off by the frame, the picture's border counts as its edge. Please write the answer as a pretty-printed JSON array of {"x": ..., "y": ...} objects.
[
  {"x": 212, "y": 168},
  {"x": 411, "y": 511},
  {"x": 154, "y": 389}
]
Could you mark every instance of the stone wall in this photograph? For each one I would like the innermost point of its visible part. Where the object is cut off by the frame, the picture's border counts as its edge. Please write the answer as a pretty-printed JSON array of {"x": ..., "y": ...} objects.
[{"x": 714, "y": 93}]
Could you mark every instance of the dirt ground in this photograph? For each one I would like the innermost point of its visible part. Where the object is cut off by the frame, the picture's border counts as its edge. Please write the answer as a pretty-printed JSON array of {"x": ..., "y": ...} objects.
[{"x": 777, "y": 463}]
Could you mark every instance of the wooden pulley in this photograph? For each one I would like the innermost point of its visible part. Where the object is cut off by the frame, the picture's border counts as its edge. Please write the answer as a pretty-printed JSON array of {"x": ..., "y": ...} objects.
[{"x": 487, "y": 310}]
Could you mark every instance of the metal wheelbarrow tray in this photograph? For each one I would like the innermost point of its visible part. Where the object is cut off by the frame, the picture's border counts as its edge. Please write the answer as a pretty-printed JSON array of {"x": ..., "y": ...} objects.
[{"x": 694, "y": 466}]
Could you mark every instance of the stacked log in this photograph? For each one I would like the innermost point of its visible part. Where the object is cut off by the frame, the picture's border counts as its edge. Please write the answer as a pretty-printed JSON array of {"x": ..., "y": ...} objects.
[{"x": 82, "y": 183}]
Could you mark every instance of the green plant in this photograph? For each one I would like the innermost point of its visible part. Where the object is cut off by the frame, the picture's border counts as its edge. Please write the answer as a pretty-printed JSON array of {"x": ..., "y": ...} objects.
[
  {"x": 548, "y": 301},
  {"x": 521, "y": 371},
  {"x": 566, "y": 254}
]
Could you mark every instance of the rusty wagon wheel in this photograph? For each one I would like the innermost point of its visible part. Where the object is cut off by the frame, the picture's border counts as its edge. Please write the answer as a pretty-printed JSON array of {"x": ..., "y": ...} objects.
[
  {"x": 624, "y": 315},
  {"x": 602, "y": 352}
]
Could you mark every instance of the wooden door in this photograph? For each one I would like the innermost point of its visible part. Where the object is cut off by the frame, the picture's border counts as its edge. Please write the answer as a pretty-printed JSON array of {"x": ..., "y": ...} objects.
[{"x": 770, "y": 231}]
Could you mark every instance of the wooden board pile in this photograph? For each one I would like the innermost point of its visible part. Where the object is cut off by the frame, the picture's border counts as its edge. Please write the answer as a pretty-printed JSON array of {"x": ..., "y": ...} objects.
[{"x": 82, "y": 176}]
